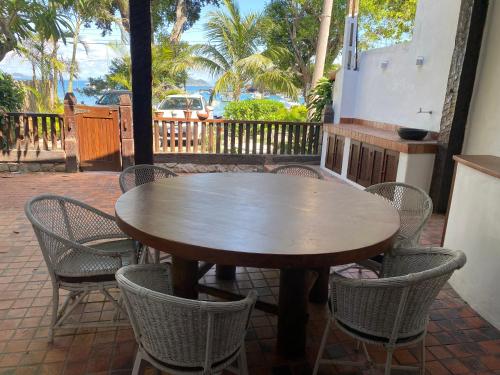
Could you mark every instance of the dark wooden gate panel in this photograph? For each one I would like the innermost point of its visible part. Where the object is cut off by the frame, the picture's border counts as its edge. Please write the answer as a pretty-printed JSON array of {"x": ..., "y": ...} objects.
[{"x": 98, "y": 138}]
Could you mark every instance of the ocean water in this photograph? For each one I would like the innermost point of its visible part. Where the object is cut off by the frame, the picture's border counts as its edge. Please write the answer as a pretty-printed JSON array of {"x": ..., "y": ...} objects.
[{"x": 219, "y": 101}]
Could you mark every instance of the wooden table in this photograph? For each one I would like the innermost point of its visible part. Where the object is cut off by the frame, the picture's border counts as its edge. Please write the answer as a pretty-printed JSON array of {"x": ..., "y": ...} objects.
[{"x": 259, "y": 220}]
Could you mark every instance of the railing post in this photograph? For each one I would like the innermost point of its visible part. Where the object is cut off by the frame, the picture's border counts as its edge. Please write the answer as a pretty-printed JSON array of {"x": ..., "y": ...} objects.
[
  {"x": 71, "y": 134},
  {"x": 127, "y": 131}
]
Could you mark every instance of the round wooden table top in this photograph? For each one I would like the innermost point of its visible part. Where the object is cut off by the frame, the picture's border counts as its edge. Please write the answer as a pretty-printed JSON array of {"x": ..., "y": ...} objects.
[{"x": 258, "y": 220}]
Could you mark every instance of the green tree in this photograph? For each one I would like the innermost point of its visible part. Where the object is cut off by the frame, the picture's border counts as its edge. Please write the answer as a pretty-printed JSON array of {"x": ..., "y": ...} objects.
[
  {"x": 20, "y": 19},
  {"x": 233, "y": 54},
  {"x": 385, "y": 21},
  {"x": 11, "y": 94},
  {"x": 293, "y": 25}
]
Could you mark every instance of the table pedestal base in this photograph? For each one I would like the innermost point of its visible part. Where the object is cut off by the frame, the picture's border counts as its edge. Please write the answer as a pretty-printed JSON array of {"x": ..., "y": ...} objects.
[
  {"x": 319, "y": 291},
  {"x": 185, "y": 277},
  {"x": 225, "y": 272},
  {"x": 292, "y": 312}
]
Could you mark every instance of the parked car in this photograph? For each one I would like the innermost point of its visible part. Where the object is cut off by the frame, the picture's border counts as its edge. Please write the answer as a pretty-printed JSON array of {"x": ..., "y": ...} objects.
[
  {"x": 112, "y": 97},
  {"x": 175, "y": 105}
]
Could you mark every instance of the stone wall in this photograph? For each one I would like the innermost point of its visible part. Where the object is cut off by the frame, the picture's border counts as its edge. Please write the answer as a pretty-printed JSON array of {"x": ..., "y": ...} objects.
[{"x": 33, "y": 167}]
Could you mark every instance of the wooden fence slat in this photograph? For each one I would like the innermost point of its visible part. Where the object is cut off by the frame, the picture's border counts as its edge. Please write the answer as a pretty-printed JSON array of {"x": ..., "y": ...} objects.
[
  {"x": 254, "y": 139},
  {"x": 240, "y": 138},
  {"x": 45, "y": 135},
  {"x": 296, "y": 148},
  {"x": 36, "y": 137},
  {"x": 262, "y": 135},
  {"x": 17, "y": 129},
  {"x": 283, "y": 135},
  {"x": 172, "y": 136},
  {"x": 203, "y": 137},
  {"x": 303, "y": 139},
  {"x": 226, "y": 138},
  {"x": 247, "y": 138},
  {"x": 53, "y": 132},
  {"x": 233, "y": 138},
  {"x": 269, "y": 134},
  {"x": 180, "y": 137},
  {"x": 316, "y": 139},
  {"x": 195, "y": 137},
  {"x": 210, "y": 137},
  {"x": 188, "y": 136},
  {"x": 218, "y": 138},
  {"x": 290, "y": 139},
  {"x": 164, "y": 132},
  {"x": 275, "y": 141},
  {"x": 156, "y": 136}
]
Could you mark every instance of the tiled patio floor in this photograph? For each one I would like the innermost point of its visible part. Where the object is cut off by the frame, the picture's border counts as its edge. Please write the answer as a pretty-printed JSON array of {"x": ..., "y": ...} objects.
[{"x": 459, "y": 341}]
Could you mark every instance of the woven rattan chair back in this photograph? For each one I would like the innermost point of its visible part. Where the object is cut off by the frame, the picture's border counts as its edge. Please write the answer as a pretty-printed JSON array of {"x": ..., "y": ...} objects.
[
  {"x": 136, "y": 175},
  {"x": 178, "y": 331},
  {"x": 62, "y": 225},
  {"x": 396, "y": 305},
  {"x": 414, "y": 207},
  {"x": 298, "y": 170}
]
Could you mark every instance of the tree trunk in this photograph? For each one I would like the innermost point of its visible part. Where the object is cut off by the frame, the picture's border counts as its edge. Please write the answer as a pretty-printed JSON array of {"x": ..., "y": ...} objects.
[
  {"x": 123, "y": 8},
  {"x": 321, "y": 48},
  {"x": 140, "y": 53},
  {"x": 72, "y": 67},
  {"x": 9, "y": 41},
  {"x": 180, "y": 21}
]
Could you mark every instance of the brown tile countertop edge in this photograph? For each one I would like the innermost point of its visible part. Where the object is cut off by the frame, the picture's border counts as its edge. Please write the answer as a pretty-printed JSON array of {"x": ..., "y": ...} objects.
[
  {"x": 384, "y": 138},
  {"x": 487, "y": 164}
]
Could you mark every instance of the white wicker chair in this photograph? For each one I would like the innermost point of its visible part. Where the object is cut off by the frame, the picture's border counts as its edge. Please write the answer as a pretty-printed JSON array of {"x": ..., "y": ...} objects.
[
  {"x": 393, "y": 310},
  {"x": 141, "y": 174},
  {"x": 182, "y": 336},
  {"x": 83, "y": 248},
  {"x": 414, "y": 207},
  {"x": 298, "y": 170}
]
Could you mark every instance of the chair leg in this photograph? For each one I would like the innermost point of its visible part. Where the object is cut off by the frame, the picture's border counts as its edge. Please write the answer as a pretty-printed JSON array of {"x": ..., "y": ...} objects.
[
  {"x": 388, "y": 362},
  {"x": 322, "y": 346},
  {"x": 422, "y": 357},
  {"x": 242, "y": 362},
  {"x": 55, "y": 306},
  {"x": 137, "y": 363}
]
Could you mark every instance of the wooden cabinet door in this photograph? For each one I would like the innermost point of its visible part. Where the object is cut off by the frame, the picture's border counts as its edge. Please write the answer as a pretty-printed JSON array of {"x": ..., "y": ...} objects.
[
  {"x": 365, "y": 165},
  {"x": 390, "y": 169},
  {"x": 353, "y": 166},
  {"x": 377, "y": 163},
  {"x": 338, "y": 154},
  {"x": 330, "y": 152}
]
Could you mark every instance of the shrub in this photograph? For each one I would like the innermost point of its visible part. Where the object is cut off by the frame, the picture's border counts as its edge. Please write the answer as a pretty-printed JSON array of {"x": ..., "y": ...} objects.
[
  {"x": 255, "y": 109},
  {"x": 11, "y": 94},
  {"x": 319, "y": 97},
  {"x": 265, "y": 110}
]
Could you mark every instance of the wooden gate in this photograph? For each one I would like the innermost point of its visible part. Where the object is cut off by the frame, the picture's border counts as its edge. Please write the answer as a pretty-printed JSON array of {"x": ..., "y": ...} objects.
[{"x": 98, "y": 138}]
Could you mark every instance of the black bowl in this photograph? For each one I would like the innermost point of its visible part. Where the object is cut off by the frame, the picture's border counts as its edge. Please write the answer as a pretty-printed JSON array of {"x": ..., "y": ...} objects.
[{"x": 412, "y": 134}]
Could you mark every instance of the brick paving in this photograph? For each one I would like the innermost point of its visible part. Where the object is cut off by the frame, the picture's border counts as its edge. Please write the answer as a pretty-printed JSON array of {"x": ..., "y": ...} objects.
[{"x": 459, "y": 340}]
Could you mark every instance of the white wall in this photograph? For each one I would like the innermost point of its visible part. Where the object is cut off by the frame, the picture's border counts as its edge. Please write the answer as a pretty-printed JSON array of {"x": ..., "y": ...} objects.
[
  {"x": 472, "y": 227},
  {"x": 395, "y": 94},
  {"x": 483, "y": 124}
]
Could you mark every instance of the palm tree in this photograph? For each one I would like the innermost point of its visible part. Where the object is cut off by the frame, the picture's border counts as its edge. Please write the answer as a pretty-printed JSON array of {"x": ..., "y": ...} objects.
[{"x": 233, "y": 54}]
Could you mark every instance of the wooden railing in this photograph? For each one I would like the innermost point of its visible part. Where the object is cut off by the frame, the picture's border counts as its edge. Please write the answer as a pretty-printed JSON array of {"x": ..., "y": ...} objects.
[
  {"x": 37, "y": 131},
  {"x": 175, "y": 135}
]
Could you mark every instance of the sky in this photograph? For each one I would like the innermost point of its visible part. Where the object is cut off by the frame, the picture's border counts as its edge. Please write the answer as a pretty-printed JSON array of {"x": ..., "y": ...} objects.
[{"x": 96, "y": 62}]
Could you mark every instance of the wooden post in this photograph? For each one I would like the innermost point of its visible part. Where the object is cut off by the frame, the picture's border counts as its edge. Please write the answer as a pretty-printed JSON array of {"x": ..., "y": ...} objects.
[
  {"x": 71, "y": 134},
  {"x": 471, "y": 21},
  {"x": 126, "y": 131},
  {"x": 140, "y": 53}
]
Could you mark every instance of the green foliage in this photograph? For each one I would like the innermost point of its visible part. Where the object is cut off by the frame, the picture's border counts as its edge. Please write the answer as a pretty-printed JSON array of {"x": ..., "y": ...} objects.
[
  {"x": 11, "y": 94},
  {"x": 20, "y": 19},
  {"x": 263, "y": 109},
  {"x": 235, "y": 56},
  {"x": 384, "y": 22},
  {"x": 293, "y": 25},
  {"x": 319, "y": 97}
]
